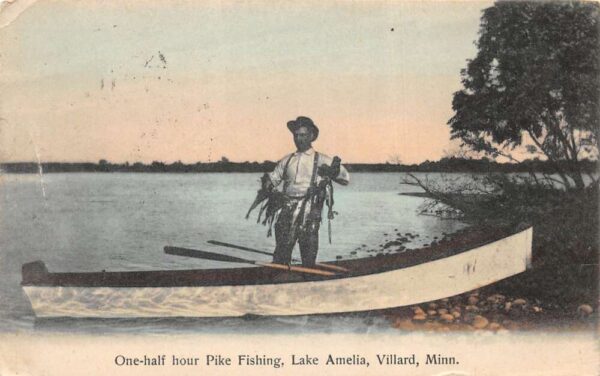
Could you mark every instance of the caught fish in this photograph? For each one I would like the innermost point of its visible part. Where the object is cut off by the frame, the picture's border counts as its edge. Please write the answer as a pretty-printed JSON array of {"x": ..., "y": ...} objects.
[{"x": 263, "y": 193}]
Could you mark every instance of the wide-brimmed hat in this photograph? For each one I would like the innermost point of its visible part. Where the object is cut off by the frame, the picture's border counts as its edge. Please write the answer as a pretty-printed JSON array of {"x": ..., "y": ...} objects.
[{"x": 303, "y": 121}]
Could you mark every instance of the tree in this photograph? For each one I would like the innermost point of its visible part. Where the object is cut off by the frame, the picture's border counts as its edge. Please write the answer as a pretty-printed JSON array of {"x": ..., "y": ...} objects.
[
  {"x": 534, "y": 83},
  {"x": 395, "y": 159},
  {"x": 103, "y": 165}
]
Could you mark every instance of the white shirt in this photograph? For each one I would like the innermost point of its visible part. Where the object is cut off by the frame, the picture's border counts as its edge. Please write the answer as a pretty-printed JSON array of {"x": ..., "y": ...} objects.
[{"x": 300, "y": 170}]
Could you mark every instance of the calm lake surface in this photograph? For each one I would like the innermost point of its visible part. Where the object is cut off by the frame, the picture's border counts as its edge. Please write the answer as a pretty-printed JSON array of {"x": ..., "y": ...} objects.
[{"x": 122, "y": 221}]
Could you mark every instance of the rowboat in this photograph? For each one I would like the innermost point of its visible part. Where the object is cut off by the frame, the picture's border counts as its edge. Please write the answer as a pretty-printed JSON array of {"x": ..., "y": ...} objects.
[{"x": 372, "y": 283}]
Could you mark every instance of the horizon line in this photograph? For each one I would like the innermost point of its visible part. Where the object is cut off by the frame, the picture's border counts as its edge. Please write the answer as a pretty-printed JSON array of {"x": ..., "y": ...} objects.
[{"x": 98, "y": 162}]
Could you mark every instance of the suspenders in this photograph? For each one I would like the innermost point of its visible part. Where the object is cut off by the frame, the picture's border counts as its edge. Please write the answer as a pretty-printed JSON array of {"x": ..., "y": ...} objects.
[
  {"x": 313, "y": 179},
  {"x": 286, "y": 182}
]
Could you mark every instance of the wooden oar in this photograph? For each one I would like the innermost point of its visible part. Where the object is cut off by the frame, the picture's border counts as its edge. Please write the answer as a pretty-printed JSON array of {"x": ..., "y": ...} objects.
[
  {"x": 242, "y": 248},
  {"x": 216, "y": 242},
  {"x": 226, "y": 258}
]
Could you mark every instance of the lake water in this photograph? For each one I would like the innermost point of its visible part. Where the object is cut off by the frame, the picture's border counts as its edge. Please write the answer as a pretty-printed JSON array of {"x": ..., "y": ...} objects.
[{"x": 114, "y": 221}]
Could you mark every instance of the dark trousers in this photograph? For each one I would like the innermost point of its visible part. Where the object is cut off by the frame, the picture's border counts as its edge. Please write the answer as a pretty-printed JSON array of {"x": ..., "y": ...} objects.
[{"x": 305, "y": 233}]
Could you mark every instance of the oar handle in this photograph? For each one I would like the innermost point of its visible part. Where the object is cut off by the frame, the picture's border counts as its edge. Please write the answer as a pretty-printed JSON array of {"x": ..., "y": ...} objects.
[
  {"x": 332, "y": 267},
  {"x": 292, "y": 268}
]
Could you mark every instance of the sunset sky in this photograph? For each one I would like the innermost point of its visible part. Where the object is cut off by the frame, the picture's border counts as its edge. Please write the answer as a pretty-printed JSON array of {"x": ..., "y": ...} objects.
[{"x": 81, "y": 81}]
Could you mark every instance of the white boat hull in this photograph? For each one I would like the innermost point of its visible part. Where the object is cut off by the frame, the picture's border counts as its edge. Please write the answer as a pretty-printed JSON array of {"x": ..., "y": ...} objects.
[{"x": 412, "y": 285}]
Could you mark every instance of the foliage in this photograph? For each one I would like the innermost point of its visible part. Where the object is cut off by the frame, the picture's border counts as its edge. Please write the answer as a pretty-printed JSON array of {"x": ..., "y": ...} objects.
[
  {"x": 534, "y": 83},
  {"x": 565, "y": 236},
  {"x": 565, "y": 241}
]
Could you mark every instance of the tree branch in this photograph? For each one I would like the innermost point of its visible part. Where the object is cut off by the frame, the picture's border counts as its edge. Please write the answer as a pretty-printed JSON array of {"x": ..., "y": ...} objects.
[{"x": 551, "y": 158}]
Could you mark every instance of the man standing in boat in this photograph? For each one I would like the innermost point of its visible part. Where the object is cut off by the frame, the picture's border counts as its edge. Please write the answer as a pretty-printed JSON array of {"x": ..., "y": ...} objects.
[{"x": 306, "y": 176}]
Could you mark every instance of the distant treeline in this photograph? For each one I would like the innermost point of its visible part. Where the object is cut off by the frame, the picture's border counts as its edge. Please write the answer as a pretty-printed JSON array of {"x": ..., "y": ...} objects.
[{"x": 443, "y": 165}]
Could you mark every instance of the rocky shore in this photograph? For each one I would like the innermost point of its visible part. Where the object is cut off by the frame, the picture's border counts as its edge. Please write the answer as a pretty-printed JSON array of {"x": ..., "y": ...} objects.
[{"x": 479, "y": 310}]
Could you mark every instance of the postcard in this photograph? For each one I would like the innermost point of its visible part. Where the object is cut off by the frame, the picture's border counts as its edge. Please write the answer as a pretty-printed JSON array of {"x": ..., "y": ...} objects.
[{"x": 293, "y": 188}]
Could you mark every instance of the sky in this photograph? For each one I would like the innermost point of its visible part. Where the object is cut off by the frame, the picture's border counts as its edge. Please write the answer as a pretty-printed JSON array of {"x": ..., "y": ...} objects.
[{"x": 195, "y": 81}]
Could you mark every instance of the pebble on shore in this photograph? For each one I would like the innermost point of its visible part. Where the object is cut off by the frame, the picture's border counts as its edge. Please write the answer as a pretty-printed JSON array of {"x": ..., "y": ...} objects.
[
  {"x": 418, "y": 311},
  {"x": 585, "y": 309},
  {"x": 404, "y": 324},
  {"x": 420, "y": 317},
  {"x": 447, "y": 317},
  {"x": 480, "y": 322}
]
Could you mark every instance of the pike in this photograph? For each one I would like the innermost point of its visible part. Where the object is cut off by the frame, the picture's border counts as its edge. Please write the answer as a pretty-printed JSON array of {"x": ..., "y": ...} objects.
[
  {"x": 261, "y": 195},
  {"x": 329, "y": 228},
  {"x": 242, "y": 248},
  {"x": 325, "y": 192}
]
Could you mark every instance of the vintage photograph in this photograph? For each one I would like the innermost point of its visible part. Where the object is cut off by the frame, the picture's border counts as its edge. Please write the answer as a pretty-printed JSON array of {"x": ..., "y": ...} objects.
[{"x": 392, "y": 172}]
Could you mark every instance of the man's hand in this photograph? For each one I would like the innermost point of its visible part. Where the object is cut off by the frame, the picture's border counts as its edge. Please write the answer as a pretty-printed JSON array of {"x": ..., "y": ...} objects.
[
  {"x": 332, "y": 171},
  {"x": 325, "y": 171},
  {"x": 265, "y": 183}
]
